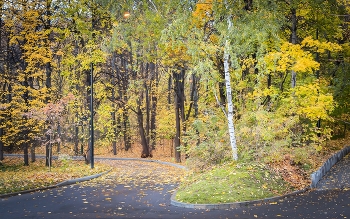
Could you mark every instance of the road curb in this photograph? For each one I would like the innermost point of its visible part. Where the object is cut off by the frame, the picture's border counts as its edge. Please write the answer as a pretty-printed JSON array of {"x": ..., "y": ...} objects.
[
  {"x": 64, "y": 183},
  {"x": 325, "y": 168},
  {"x": 223, "y": 206},
  {"x": 82, "y": 179}
]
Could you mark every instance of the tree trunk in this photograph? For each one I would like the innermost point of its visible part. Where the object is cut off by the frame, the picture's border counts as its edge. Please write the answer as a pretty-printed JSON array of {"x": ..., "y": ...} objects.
[
  {"x": 92, "y": 135},
  {"x": 2, "y": 60},
  {"x": 195, "y": 101},
  {"x": 1, "y": 145},
  {"x": 114, "y": 142},
  {"x": 220, "y": 67},
  {"x": 148, "y": 109},
  {"x": 47, "y": 152},
  {"x": 229, "y": 102},
  {"x": 60, "y": 137},
  {"x": 154, "y": 100},
  {"x": 178, "y": 132},
  {"x": 126, "y": 130},
  {"x": 318, "y": 124},
  {"x": 114, "y": 122},
  {"x": 126, "y": 124},
  {"x": 88, "y": 102},
  {"x": 248, "y": 5},
  {"x": 145, "y": 147},
  {"x": 268, "y": 97},
  {"x": 169, "y": 89},
  {"x": 294, "y": 41},
  {"x": 48, "y": 69},
  {"x": 76, "y": 136},
  {"x": 179, "y": 79},
  {"x": 26, "y": 128},
  {"x": 32, "y": 153},
  {"x": 153, "y": 122},
  {"x": 26, "y": 155}
]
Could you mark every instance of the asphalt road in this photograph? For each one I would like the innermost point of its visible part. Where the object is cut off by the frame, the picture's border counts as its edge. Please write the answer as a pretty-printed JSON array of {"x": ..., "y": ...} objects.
[
  {"x": 337, "y": 177},
  {"x": 121, "y": 201}
]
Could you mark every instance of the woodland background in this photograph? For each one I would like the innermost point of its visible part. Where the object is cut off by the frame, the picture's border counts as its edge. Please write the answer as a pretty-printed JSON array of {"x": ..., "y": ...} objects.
[{"x": 159, "y": 76}]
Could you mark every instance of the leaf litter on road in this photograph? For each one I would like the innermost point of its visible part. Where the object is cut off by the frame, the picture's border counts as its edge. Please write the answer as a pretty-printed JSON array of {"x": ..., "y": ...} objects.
[
  {"x": 147, "y": 177},
  {"x": 138, "y": 173}
]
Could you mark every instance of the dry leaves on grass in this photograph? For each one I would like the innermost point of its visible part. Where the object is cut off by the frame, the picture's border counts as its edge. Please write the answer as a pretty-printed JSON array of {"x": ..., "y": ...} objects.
[
  {"x": 15, "y": 177},
  {"x": 292, "y": 174}
]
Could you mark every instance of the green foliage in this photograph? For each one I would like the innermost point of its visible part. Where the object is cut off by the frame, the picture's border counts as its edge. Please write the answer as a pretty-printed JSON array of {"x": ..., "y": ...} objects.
[{"x": 206, "y": 142}]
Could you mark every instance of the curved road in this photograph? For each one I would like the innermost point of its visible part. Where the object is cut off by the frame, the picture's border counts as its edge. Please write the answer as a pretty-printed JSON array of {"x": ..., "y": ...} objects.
[{"x": 113, "y": 197}]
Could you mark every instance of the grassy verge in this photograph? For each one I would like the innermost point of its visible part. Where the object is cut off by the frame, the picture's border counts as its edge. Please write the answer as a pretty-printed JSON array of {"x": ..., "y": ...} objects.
[
  {"x": 231, "y": 183},
  {"x": 14, "y": 177}
]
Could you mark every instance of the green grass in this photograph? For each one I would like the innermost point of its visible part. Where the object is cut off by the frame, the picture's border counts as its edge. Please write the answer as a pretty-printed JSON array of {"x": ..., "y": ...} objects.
[
  {"x": 14, "y": 177},
  {"x": 231, "y": 183}
]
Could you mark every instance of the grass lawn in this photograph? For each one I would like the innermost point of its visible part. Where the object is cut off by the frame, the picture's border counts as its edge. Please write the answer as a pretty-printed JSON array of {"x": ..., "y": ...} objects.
[
  {"x": 14, "y": 177},
  {"x": 231, "y": 183}
]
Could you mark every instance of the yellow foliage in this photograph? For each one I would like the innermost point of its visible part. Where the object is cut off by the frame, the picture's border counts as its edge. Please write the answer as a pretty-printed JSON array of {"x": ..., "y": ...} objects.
[
  {"x": 313, "y": 103},
  {"x": 291, "y": 57},
  {"x": 214, "y": 39},
  {"x": 176, "y": 54},
  {"x": 320, "y": 47},
  {"x": 202, "y": 13}
]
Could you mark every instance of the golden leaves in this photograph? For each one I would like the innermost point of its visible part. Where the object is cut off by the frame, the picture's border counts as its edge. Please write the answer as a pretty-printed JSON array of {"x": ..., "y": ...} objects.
[
  {"x": 290, "y": 57},
  {"x": 298, "y": 57},
  {"x": 176, "y": 54},
  {"x": 202, "y": 13},
  {"x": 319, "y": 46}
]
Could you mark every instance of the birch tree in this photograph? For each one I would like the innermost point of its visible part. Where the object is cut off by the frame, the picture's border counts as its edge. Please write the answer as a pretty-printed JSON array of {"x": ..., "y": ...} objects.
[{"x": 231, "y": 127}]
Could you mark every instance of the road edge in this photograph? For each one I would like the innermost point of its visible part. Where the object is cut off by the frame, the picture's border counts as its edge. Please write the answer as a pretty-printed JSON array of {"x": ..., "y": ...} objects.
[
  {"x": 64, "y": 183},
  {"x": 223, "y": 206},
  {"x": 327, "y": 165}
]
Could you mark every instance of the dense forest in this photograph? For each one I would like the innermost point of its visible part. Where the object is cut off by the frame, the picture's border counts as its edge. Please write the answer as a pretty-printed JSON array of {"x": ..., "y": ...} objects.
[{"x": 222, "y": 79}]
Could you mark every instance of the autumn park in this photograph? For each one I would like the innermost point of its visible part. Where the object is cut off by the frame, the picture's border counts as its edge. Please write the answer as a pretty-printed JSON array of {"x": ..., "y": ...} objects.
[{"x": 174, "y": 108}]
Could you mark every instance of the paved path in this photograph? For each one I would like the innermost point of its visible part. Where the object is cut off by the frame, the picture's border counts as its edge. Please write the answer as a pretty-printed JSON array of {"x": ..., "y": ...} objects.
[
  {"x": 126, "y": 202},
  {"x": 338, "y": 177},
  {"x": 115, "y": 197}
]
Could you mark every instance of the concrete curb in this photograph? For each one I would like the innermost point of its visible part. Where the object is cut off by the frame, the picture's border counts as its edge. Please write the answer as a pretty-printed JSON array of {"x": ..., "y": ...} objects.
[
  {"x": 321, "y": 172},
  {"x": 233, "y": 204},
  {"x": 86, "y": 178},
  {"x": 64, "y": 183}
]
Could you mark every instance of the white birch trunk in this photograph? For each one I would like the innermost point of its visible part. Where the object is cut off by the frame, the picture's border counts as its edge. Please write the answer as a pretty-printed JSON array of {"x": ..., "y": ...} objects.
[{"x": 231, "y": 128}]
